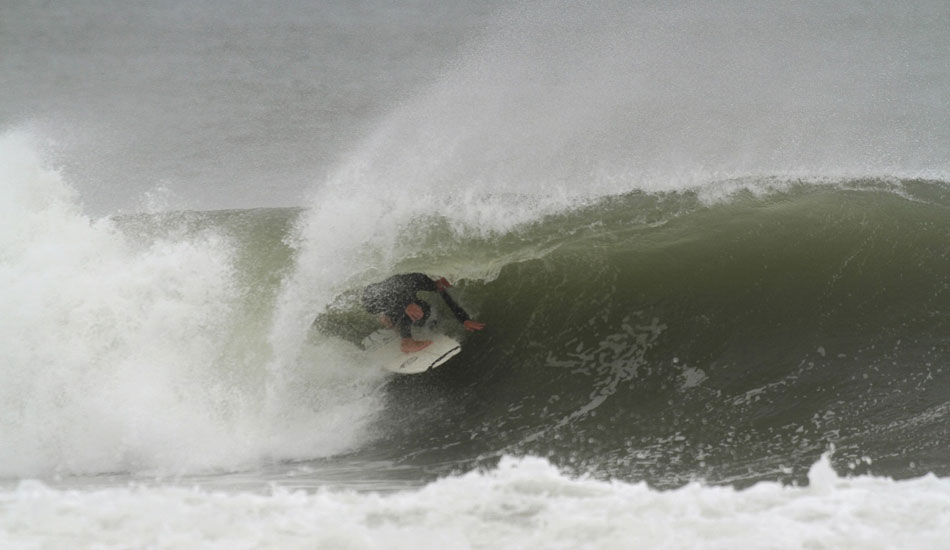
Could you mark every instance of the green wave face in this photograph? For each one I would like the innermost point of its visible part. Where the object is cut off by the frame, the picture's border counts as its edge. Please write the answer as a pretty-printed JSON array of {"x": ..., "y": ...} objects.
[{"x": 665, "y": 338}]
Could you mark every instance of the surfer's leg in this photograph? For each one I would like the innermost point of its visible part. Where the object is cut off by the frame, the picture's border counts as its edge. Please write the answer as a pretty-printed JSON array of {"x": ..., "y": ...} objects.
[
  {"x": 426, "y": 310},
  {"x": 404, "y": 326}
]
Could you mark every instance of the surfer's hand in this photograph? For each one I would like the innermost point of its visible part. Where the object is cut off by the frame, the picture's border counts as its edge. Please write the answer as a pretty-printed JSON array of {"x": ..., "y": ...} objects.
[
  {"x": 410, "y": 346},
  {"x": 472, "y": 326},
  {"x": 414, "y": 311},
  {"x": 441, "y": 284},
  {"x": 386, "y": 321}
]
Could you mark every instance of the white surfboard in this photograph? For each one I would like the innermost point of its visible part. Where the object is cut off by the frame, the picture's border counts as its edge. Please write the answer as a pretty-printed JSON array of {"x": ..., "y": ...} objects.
[{"x": 383, "y": 348}]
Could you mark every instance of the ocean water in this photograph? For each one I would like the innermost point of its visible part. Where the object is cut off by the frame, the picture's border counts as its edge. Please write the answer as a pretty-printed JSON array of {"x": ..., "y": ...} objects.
[{"x": 711, "y": 244}]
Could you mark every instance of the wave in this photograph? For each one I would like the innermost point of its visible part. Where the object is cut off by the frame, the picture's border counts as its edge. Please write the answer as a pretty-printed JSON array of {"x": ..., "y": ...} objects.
[
  {"x": 730, "y": 331},
  {"x": 665, "y": 337}
]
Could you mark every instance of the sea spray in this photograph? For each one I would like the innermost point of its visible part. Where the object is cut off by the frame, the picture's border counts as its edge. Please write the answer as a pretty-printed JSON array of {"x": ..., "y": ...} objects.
[
  {"x": 106, "y": 347},
  {"x": 126, "y": 352}
]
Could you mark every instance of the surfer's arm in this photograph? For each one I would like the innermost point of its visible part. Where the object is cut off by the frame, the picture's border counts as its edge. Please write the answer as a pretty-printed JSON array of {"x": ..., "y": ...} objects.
[
  {"x": 457, "y": 310},
  {"x": 422, "y": 282},
  {"x": 440, "y": 286}
]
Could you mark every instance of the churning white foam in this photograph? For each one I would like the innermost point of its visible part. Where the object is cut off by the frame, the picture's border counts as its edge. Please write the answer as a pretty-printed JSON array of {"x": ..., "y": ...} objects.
[
  {"x": 117, "y": 355},
  {"x": 524, "y": 503}
]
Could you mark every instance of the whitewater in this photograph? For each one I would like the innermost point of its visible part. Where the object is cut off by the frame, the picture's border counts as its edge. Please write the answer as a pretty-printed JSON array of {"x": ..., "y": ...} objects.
[
  {"x": 523, "y": 503},
  {"x": 710, "y": 244}
]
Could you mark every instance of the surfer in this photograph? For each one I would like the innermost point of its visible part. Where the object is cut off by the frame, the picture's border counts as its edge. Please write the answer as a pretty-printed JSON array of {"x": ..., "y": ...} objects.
[{"x": 395, "y": 301}]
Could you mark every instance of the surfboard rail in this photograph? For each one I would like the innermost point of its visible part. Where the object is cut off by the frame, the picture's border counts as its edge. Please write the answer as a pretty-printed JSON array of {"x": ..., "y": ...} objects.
[{"x": 383, "y": 349}]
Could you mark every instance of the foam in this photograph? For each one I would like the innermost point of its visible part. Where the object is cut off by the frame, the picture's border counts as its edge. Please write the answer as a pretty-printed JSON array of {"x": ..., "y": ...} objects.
[
  {"x": 119, "y": 355},
  {"x": 523, "y": 503}
]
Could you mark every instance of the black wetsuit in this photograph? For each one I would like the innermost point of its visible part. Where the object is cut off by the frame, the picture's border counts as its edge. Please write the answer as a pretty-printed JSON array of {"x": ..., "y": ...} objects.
[{"x": 390, "y": 298}]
